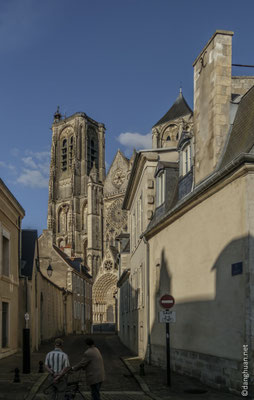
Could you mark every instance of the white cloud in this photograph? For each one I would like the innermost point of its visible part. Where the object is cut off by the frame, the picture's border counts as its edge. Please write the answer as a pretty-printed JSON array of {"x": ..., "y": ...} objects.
[
  {"x": 10, "y": 167},
  {"x": 135, "y": 140},
  {"x": 32, "y": 178},
  {"x": 35, "y": 169},
  {"x": 29, "y": 162}
]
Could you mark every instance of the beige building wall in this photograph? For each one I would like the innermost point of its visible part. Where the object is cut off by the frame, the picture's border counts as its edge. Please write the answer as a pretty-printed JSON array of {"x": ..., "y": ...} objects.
[
  {"x": 191, "y": 259},
  {"x": 11, "y": 214},
  {"x": 140, "y": 202},
  {"x": 212, "y": 96},
  {"x": 241, "y": 84}
]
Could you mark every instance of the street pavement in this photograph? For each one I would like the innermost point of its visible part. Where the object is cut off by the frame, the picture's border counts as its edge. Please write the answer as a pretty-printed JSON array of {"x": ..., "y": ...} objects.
[{"x": 123, "y": 380}]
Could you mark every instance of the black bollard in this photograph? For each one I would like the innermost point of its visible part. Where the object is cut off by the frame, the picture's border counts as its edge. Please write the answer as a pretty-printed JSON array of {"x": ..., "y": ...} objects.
[
  {"x": 26, "y": 351},
  {"x": 16, "y": 375},
  {"x": 40, "y": 367},
  {"x": 142, "y": 369}
]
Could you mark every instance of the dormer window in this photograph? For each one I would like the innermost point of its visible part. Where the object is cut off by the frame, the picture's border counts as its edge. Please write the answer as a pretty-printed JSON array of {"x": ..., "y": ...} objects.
[
  {"x": 186, "y": 162},
  {"x": 160, "y": 187}
]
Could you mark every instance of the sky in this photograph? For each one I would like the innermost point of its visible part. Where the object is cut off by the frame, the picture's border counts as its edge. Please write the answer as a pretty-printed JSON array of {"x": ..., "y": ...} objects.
[{"x": 122, "y": 62}]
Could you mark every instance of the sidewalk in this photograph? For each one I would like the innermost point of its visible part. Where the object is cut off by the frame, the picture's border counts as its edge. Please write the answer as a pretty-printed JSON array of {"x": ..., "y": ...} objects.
[
  {"x": 153, "y": 383},
  {"x": 29, "y": 383}
]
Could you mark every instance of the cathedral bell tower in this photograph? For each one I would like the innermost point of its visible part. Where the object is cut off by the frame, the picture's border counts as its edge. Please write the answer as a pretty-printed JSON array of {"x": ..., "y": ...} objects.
[{"x": 77, "y": 174}]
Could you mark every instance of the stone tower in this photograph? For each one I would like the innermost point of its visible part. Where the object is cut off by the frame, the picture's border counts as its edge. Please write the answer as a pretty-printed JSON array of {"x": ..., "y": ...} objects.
[
  {"x": 167, "y": 131},
  {"x": 77, "y": 174}
]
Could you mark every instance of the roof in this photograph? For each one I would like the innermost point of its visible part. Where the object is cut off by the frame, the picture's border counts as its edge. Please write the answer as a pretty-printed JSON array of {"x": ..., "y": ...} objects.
[
  {"x": 15, "y": 201},
  {"x": 241, "y": 136},
  {"x": 75, "y": 263},
  {"x": 29, "y": 240},
  {"x": 114, "y": 252},
  {"x": 178, "y": 109},
  {"x": 126, "y": 249}
]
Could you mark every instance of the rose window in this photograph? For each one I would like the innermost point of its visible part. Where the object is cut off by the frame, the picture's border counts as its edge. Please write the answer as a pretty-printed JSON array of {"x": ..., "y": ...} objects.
[{"x": 108, "y": 265}]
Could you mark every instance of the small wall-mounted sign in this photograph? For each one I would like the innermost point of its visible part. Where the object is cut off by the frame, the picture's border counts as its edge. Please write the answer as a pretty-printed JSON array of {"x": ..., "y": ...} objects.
[{"x": 237, "y": 268}]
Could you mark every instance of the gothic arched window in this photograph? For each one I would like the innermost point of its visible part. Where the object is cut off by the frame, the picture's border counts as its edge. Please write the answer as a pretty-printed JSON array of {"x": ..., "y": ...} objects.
[
  {"x": 92, "y": 149},
  {"x": 62, "y": 220},
  {"x": 84, "y": 218},
  {"x": 64, "y": 155},
  {"x": 71, "y": 151}
]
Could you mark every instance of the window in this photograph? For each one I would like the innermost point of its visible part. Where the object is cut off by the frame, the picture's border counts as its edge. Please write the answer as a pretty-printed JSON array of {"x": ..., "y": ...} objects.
[
  {"x": 6, "y": 254},
  {"x": 92, "y": 149},
  {"x": 70, "y": 151},
  {"x": 67, "y": 151},
  {"x": 186, "y": 160},
  {"x": 64, "y": 155},
  {"x": 141, "y": 213},
  {"x": 5, "y": 324},
  {"x": 160, "y": 188}
]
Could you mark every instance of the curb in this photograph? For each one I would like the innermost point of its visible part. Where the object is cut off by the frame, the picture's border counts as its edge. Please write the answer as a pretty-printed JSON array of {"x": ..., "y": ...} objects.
[
  {"x": 139, "y": 380},
  {"x": 36, "y": 387}
]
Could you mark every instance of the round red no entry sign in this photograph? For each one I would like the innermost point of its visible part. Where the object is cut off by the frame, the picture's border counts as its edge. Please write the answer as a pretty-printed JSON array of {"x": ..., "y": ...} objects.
[{"x": 167, "y": 301}]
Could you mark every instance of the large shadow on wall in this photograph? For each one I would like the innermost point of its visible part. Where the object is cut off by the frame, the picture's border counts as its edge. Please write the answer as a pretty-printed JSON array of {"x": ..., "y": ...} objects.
[
  {"x": 211, "y": 316},
  {"x": 162, "y": 285}
]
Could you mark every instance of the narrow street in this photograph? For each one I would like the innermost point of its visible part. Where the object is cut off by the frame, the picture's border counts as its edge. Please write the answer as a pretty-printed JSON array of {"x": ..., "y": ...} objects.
[{"x": 119, "y": 383}]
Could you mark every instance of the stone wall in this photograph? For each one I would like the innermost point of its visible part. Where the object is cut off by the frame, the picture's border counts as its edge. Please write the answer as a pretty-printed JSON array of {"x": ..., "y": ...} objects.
[
  {"x": 241, "y": 84},
  {"x": 212, "y": 95},
  {"x": 192, "y": 259}
]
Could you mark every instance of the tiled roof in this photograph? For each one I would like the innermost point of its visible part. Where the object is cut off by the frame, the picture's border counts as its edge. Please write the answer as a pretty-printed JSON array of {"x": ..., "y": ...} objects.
[
  {"x": 241, "y": 137},
  {"x": 178, "y": 109}
]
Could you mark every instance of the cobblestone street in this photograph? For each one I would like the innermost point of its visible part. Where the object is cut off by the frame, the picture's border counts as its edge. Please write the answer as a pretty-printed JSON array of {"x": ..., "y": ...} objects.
[{"x": 123, "y": 381}]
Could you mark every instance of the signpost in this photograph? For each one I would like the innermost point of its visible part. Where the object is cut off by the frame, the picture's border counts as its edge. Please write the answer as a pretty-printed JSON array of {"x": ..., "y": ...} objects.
[
  {"x": 167, "y": 301},
  {"x": 26, "y": 346}
]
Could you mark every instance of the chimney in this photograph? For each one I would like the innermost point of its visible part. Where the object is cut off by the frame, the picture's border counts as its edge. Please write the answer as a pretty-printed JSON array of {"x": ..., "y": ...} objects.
[{"x": 212, "y": 96}]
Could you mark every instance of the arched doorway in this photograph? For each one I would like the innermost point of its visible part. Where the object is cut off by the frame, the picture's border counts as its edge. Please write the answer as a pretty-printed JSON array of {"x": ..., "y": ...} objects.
[{"x": 104, "y": 306}]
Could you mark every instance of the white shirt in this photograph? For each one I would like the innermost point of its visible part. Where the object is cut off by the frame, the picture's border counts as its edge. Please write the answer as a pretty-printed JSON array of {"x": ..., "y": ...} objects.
[{"x": 57, "y": 360}]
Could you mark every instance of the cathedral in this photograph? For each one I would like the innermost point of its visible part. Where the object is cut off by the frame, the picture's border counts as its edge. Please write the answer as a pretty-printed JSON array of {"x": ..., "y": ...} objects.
[{"x": 85, "y": 213}]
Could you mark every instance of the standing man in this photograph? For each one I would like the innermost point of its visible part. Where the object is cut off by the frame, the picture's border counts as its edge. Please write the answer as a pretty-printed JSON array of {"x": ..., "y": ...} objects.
[
  {"x": 57, "y": 363},
  {"x": 92, "y": 362}
]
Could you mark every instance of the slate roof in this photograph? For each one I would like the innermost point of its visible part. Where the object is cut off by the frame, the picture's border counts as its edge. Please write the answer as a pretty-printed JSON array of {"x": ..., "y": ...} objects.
[
  {"x": 178, "y": 109},
  {"x": 126, "y": 249},
  {"x": 29, "y": 242},
  {"x": 241, "y": 137},
  {"x": 114, "y": 252},
  {"x": 75, "y": 263}
]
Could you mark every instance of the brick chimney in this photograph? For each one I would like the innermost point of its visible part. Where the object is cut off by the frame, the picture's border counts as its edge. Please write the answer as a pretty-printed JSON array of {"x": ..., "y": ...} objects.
[{"x": 212, "y": 96}]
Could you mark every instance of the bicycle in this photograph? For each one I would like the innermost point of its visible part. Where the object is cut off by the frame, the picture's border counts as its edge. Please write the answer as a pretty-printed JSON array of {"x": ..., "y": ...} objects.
[{"x": 72, "y": 389}]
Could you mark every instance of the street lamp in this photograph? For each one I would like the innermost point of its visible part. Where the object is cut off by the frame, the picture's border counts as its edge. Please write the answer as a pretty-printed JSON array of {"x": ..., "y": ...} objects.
[{"x": 49, "y": 271}]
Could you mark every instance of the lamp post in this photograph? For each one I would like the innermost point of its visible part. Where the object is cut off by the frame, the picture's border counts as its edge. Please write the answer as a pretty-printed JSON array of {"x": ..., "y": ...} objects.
[
  {"x": 49, "y": 271},
  {"x": 116, "y": 311}
]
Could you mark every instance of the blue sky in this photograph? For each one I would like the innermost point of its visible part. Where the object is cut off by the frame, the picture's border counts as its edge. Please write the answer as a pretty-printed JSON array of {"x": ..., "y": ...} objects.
[{"x": 119, "y": 61}]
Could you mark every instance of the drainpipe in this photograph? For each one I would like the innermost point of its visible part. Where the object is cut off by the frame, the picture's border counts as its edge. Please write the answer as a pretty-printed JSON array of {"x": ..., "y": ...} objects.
[{"x": 148, "y": 301}]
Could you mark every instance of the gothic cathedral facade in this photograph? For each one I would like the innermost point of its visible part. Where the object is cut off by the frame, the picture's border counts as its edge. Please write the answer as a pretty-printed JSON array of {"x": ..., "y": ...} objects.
[{"x": 85, "y": 213}]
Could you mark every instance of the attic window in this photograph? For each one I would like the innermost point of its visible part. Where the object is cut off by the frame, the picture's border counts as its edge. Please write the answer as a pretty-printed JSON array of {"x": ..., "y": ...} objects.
[
  {"x": 160, "y": 188},
  {"x": 186, "y": 160}
]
